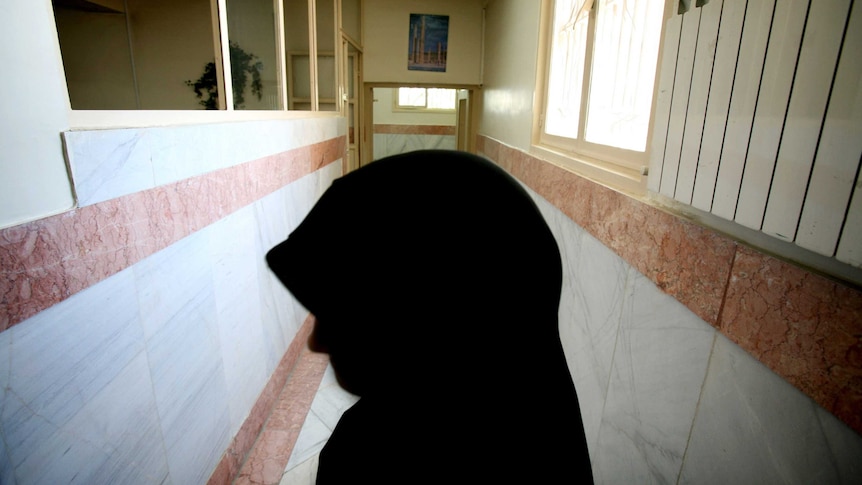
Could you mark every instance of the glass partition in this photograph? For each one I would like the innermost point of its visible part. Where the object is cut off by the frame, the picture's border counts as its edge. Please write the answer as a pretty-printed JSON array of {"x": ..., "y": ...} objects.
[
  {"x": 254, "y": 61},
  {"x": 137, "y": 54},
  {"x": 326, "y": 75}
]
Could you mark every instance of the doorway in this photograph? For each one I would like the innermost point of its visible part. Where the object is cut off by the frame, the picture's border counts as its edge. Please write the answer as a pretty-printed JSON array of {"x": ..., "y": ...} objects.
[
  {"x": 402, "y": 118},
  {"x": 351, "y": 103}
]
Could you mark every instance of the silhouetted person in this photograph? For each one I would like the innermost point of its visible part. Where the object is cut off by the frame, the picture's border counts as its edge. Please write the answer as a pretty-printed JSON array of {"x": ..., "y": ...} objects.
[{"x": 436, "y": 285}]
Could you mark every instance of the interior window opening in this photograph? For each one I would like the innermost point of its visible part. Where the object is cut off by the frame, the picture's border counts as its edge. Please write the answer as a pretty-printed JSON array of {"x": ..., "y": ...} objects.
[{"x": 167, "y": 55}]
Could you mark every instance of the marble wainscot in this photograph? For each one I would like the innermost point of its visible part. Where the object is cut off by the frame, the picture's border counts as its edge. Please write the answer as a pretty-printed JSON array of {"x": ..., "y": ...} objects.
[
  {"x": 143, "y": 339},
  {"x": 395, "y": 139},
  {"x": 696, "y": 359}
]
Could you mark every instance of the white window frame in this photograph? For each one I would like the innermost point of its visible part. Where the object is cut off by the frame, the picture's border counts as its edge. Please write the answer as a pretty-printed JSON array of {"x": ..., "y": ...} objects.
[
  {"x": 398, "y": 107},
  {"x": 622, "y": 169}
]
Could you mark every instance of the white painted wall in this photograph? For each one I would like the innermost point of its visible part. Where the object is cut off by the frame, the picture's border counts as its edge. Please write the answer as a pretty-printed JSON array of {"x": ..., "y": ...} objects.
[
  {"x": 34, "y": 181},
  {"x": 510, "y": 60},
  {"x": 387, "y": 42}
]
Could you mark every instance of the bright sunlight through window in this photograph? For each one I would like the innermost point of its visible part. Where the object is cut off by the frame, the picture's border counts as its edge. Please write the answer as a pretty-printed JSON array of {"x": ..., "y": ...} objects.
[
  {"x": 427, "y": 98},
  {"x": 617, "y": 58}
]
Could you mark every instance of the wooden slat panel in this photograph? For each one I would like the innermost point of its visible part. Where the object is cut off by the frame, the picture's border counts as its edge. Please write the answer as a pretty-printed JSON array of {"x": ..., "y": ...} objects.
[
  {"x": 839, "y": 152},
  {"x": 707, "y": 37},
  {"x": 663, "y": 100},
  {"x": 724, "y": 69},
  {"x": 817, "y": 59},
  {"x": 782, "y": 53},
  {"x": 679, "y": 104},
  {"x": 752, "y": 50},
  {"x": 850, "y": 246}
]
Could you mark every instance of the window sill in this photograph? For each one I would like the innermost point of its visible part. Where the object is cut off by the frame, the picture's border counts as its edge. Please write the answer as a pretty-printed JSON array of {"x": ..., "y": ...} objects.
[{"x": 614, "y": 176}]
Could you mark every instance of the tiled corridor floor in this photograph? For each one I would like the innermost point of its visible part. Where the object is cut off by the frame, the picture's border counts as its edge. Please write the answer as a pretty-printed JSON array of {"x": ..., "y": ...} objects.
[
  {"x": 329, "y": 404},
  {"x": 285, "y": 452}
]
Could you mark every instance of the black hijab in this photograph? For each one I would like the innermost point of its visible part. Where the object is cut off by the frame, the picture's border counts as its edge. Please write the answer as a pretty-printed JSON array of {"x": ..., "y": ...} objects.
[{"x": 436, "y": 285}]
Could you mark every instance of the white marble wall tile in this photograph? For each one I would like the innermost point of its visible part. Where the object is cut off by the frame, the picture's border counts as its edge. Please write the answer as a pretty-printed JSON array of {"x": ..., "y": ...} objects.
[
  {"x": 186, "y": 151},
  {"x": 387, "y": 144},
  {"x": 754, "y": 427},
  {"x": 62, "y": 357},
  {"x": 659, "y": 367},
  {"x": 277, "y": 215},
  {"x": 7, "y": 469},
  {"x": 845, "y": 446},
  {"x": 591, "y": 308},
  {"x": 591, "y": 303},
  {"x": 274, "y": 216},
  {"x": 407, "y": 143},
  {"x": 182, "y": 152},
  {"x": 179, "y": 314},
  {"x": 233, "y": 248},
  {"x": 174, "y": 278},
  {"x": 326, "y": 176},
  {"x": 115, "y": 438},
  {"x": 671, "y": 412},
  {"x": 303, "y": 474},
  {"x": 76, "y": 399},
  {"x": 381, "y": 148},
  {"x": 111, "y": 163},
  {"x": 396, "y": 144},
  {"x": 438, "y": 142},
  {"x": 144, "y": 377}
]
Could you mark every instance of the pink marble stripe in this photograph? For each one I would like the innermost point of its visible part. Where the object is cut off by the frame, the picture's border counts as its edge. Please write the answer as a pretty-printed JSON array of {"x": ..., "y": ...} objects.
[
  {"x": 266, "y": 462},
  {"x": 687, "y": 261},
  {"x": 261, "y": 449},
  {"x": 414, "y": 129},
  {"x": 46, "y": 261},
  {"x": 806, "y": 328}
]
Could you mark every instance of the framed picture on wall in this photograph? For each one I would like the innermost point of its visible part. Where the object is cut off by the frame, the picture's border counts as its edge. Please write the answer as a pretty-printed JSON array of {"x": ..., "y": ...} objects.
[{"x": 429, "y": 42}]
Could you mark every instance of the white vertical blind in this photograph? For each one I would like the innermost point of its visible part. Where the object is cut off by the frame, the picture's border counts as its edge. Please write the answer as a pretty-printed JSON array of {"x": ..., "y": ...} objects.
[
  {"x": 667, "y": 68},
  {"x": 679, "y": 101},
  {"x": 737, "y": 134},
  {"x": 780, "y": 64},
  {"x": 720, "y": 89},
  {"x": 837, "y": 162},
  {"x": 763, "y": 124},
  {"x": 811, "y": 88},
  {"x": 849, "y": 246},
  {"x": 697, "y": 99}
]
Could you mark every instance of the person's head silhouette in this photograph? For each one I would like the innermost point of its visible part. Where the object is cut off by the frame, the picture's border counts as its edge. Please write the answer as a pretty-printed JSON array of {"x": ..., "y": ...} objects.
[{"x": 436, "y": 284}]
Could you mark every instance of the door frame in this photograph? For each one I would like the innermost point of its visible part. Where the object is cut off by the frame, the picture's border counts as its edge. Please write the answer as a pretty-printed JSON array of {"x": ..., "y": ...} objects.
[{"x": 467, "y": 133}]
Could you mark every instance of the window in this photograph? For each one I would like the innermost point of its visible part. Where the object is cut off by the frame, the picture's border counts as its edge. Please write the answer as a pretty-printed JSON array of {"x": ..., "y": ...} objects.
[
  {"x": 601, "y": 71},
  {"x": 430, "y": 99},
  {"x": 123, "y": 55}
]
